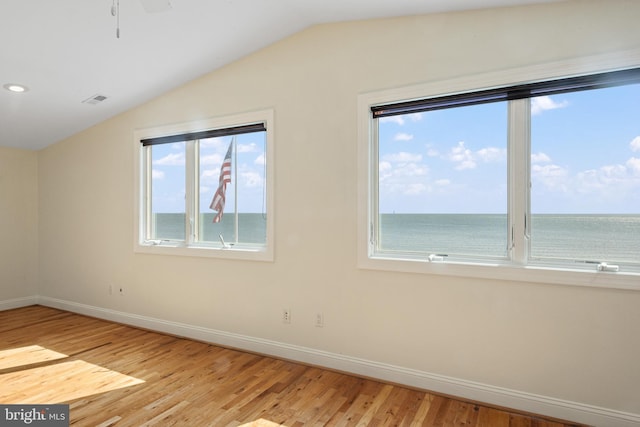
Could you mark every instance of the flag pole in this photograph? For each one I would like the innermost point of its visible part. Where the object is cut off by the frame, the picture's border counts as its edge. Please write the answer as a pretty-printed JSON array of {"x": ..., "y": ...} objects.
[{"x": 235, "y": 186}]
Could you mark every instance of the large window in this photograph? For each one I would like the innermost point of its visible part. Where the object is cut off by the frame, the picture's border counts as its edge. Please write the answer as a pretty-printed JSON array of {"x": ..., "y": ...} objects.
[
  {"x": 543, "y": 176},
  {"x": 207, "y": 192}
]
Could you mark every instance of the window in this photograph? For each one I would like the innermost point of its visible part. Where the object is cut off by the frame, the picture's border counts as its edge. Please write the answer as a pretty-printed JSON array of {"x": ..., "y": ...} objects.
[
  {"x": 207, "y": 192},
  {"x": 585, "y": 177},
  {"x": 424, "y": 158},
  {"x": 542, "y": 176}
]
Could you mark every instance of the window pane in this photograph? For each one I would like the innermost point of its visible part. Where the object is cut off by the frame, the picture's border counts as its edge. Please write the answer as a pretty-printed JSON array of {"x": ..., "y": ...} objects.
[
  {"x": 168, "y": 191},
  {"x": 442, "y": 181},
  {"x": 247, "y": 181},
  {"x": 585, "y": 176}
]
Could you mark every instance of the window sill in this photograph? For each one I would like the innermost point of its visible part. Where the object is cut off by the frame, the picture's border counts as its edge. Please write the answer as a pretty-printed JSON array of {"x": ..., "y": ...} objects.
[
  {"x": 507, "y": 271},
  {"x": 245, "y": 253}
]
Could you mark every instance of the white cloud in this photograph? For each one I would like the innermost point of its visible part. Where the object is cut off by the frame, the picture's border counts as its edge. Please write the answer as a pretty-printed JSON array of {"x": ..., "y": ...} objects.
[
  {"x": 602, "y": 179},
  {"x": 540, "y": 158},
  {"x": 468, "y": 159},
  {"x": 492, "y": 154},
  {"x": 403, "y": 157},
  {"x": 247, "y": 148},
  {"x": 399, "y": 120},
  {"x": 403, "y": 137},
  {"x": 442, "y": 182},
  {"x": 157, "y": 174},
  {"x": 635, "y": 144},
  {"x": 549, "y": 170},
  {"x": 173, "y": 159},
  {"x": 545, "y": 103},
  {"x": 415, "y": 189},
  {"x": 613, "y": 171},
  {"x": 393, "y": 119},
  {"x": 260, "y": 160},
  {"x": 634, "y": 165},
  {"x": 251, "y": 179},
  {"x": 608, "y": 182},
  {"x": 405, "y": 178},
  {"x": 553, "y": 177},
  {"x": 214, "y": 142},
  {"x": 462, "y": 156},
  {"x": 384, "y": 166},
  {"x": 412, "y": 169},
  {"x": 432, "y": 152},
  {"x": 219, "y": 143},
  {"x": 387, "y": 170},
  {"x": 212, "y": 159},
  {"x": 466, "y": 164},
  {"x": 210, "y": 176}
]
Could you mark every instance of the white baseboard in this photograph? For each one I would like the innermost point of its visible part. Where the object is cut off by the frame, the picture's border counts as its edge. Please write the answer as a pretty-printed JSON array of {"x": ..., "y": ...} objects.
[
  {"x": 18, "y": 302},
  {"x": 543, "y": 405}
]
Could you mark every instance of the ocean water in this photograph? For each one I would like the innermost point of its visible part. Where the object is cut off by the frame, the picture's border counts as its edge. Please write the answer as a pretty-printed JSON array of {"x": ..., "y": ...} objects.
[
  {"x": 252, "y": 227},
  {"x": 444, "y": 233},
  {"x": 610, "y": 238}
]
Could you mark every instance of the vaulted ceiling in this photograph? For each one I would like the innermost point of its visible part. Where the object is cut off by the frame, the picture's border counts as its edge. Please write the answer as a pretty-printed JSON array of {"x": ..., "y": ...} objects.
[{"x": 69, "y": 52}]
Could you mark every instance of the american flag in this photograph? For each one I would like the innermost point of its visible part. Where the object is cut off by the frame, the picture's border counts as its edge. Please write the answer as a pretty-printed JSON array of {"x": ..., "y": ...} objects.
[{"x": 217, "y": 204}]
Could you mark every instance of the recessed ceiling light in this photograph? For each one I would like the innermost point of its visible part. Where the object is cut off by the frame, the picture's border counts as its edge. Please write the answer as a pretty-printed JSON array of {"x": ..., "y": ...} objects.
[{"x": 14, "y": 87}]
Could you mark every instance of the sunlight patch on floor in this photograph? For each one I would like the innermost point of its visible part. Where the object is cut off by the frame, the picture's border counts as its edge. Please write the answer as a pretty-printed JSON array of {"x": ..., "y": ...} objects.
[
  {"x": 261, "y": 423},
  {"x": 61, "y": 382},
  {"x": 27, "y": 356}
]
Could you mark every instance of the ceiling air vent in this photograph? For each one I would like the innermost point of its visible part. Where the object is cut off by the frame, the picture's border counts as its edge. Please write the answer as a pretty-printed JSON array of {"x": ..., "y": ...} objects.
[{"x": 95, "y": 99}]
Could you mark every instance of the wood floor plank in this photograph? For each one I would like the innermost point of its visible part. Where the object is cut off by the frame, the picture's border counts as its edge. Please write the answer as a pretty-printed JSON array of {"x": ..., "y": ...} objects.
[
  {"x": 112, "y": 375},
  {"x": 490, "y": 417},
  {"x": 423, "y": 410}
]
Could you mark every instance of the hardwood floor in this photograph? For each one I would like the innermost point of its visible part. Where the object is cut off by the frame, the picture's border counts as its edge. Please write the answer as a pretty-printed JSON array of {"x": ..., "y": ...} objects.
[{"x": 115, "y": 375}]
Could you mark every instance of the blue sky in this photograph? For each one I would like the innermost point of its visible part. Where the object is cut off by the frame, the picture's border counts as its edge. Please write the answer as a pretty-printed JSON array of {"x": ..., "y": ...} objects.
[
  {"x": 585, "y": 156},
  {"x": 585, "y": 159},
  {"x": 168, "y": 166}
]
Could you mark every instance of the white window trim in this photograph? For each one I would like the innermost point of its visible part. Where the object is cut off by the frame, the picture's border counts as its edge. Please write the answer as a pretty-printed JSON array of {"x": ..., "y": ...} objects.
[
  {"x": 237, "y": 252},
  {"x": 514, "y": 270}
]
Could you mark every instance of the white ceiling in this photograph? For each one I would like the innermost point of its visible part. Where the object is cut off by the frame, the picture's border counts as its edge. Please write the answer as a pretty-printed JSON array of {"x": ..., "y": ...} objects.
[{"x": 67, "y": 51}]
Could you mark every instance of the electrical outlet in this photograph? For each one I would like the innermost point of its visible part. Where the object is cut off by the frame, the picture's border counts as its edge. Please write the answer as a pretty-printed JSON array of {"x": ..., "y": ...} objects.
[
  {"x": 319, "y": 320},
  {"x": 286, "y": 315},
  {"x": 110, "y": 289}
]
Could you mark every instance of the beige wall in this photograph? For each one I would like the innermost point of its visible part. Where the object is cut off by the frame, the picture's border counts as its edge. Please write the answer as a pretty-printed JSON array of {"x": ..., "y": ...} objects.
[
  {"x": 573, "y": 343},
  {"x": 19, "y": 224}
]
